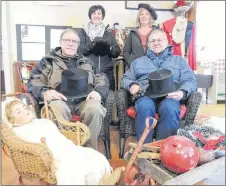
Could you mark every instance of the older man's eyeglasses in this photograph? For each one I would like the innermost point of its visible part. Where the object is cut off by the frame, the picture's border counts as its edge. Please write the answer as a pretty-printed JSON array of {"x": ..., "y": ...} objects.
[
  {"x": 158, "y": 40},
  {"x": 68, "y": 41}
]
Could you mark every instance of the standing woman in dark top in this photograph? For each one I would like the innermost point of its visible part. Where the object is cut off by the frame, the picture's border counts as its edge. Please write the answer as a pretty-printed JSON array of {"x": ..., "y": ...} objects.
[
  {"x": 136, "y": 43},
  {"x": 99, "y": 44}
]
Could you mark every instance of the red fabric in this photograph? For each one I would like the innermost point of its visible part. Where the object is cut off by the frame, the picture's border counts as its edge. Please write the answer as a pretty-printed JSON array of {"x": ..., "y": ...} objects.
[
  {"x": 192, "y": 50},
  {"x": 144, "y": 39},
  {"x": 113, "y": 32},
  {"x": 180, "y": 3},
  {"x": 168, "y": 29},
  {"x": 211, "y": 143},
  {"x": 25, "y": 88},
  {"x": 75, "y": 118},
  {"x": 132, "y": 113}
]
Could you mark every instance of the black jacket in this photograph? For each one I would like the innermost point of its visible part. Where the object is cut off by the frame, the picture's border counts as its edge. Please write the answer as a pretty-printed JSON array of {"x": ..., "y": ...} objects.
[
  {"x": 46, "y": 74},
  {"x": 133, "y": 47},
  {"x": 101, "y": 55}
]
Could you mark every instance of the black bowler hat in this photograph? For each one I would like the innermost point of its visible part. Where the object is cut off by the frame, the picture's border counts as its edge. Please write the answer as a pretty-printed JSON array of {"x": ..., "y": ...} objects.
[
  {"x": 74, "y": 83},
  {"x": 149, "y": 9},
  {"x": 161, "y": 83}
]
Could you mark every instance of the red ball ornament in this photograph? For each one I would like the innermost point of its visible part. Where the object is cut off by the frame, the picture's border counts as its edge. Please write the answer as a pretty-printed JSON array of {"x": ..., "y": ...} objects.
[{"x": 179, "y": 154}]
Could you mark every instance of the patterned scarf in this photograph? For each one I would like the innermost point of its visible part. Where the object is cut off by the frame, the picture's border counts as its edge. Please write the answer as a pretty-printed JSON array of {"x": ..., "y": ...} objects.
[{"x": 93, "y": 30}]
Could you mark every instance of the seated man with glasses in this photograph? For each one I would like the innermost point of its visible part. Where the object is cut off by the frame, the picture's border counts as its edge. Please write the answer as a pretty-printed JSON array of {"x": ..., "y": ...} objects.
[
  {"x": 46, "y": 76},
  {"x": 159, "y": 56}
]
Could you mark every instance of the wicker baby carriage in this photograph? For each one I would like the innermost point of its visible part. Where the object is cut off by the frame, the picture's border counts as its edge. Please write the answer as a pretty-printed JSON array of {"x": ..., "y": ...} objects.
[
  {"x": 31, "y": 160},
  {"x": 34, "y": 161}
]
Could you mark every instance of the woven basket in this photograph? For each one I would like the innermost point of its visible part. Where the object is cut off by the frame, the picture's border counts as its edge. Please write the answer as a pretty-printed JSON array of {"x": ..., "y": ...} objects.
[
  {"x": 33, "y": 161},
  {"x": 78, "y": 132}
]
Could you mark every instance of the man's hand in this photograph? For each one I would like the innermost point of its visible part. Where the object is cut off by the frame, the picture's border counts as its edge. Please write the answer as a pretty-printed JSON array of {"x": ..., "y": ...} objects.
[
  {"x": 134, "y": 89},
  {"x": 94, "y": 95},
  {"x": 52, "y": 94},
  {"x": 176, "y": 95}
]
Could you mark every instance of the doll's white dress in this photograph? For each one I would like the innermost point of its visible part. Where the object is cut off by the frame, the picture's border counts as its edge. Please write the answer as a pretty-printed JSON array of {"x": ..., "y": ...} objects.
[{"x": 75, "y": 165}]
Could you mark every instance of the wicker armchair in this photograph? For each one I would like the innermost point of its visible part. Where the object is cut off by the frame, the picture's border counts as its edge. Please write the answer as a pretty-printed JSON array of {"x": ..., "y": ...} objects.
[
  {"x": 34, "y": 162},
  {"x": 105, "y": 129},
  {"x": 127, "y": 124}
]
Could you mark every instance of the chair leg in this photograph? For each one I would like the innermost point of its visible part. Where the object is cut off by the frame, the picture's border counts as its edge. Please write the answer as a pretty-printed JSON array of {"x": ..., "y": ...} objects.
[
  {"x": 122, "y": 146},
  {"x": 107, "y": 148}
]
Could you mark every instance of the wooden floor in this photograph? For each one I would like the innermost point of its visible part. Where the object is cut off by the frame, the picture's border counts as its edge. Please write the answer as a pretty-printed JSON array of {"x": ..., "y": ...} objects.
[{"x": 10, "y": 176}]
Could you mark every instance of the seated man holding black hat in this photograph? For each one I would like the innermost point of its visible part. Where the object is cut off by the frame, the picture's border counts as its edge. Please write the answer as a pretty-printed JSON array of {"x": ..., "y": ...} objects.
[
  {"x": 165, "y": 80},
  {"x": 71, "y": 83}
]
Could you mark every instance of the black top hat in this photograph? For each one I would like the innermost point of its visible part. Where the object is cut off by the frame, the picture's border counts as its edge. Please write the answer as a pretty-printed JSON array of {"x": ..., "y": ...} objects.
[
  {"x": 149, "y": 9},
  {"x": 161, "y": 83},
  {"x": 74, "y": 84}
]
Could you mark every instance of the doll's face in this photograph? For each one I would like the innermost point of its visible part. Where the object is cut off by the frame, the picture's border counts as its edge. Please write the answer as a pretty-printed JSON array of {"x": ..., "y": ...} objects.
[
  {"x": 96, "y": 17},
  {"x": 145, "y": 17},
  {"x": 21, "y": 114}
]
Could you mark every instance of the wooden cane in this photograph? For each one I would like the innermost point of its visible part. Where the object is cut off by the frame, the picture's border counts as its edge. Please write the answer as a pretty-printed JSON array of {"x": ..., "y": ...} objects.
[
  {"x": 46, "y": 106},
  {"x": 140, "y": 143}
]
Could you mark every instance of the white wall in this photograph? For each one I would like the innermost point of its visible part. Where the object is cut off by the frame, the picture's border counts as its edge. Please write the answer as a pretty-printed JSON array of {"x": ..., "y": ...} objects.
[
  {"x": 7, "y": 56},
  {"x": 76, "y": 15}
]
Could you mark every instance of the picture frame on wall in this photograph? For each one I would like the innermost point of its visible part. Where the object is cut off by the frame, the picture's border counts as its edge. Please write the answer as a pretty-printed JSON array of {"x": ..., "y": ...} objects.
[{"x": 157, "y": 5}]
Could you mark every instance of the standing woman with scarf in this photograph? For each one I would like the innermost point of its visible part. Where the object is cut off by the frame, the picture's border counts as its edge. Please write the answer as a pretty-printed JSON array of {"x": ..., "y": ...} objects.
[{"x": 99, "y": 44}]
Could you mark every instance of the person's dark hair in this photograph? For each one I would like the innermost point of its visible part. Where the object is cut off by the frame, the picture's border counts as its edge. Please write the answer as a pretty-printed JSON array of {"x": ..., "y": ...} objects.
[{"x": 94, "y": 8}]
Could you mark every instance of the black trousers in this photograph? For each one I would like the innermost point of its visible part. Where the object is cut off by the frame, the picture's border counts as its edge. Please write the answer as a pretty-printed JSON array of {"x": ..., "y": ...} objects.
[{"x": 111, "y": 79}]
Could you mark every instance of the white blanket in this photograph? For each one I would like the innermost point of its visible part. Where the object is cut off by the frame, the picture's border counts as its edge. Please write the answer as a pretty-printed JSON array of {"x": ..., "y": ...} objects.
[{"x": 75, "y": 165}]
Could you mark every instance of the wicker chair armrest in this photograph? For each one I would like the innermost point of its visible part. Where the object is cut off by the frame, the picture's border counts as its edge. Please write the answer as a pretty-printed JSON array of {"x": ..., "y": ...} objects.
[
  {"x": 105, "y": 129},
  {"x": 109, "y": 105},
  {"x": 46, "y": 156},
  {"x": 12, "y": 141},
  {"x": 122, "y": 100},
  {"x": 110, "y": 99},
  {"x": 122, "y": 97},
  {"x": 67, "y": 128},
  {"x": 192, "y": 106},
  {"x": 22, "y": 152},
  {"x": 65, "y": 122}
]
